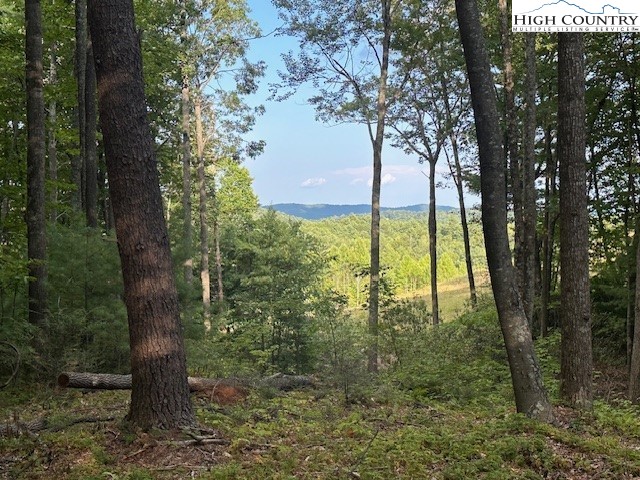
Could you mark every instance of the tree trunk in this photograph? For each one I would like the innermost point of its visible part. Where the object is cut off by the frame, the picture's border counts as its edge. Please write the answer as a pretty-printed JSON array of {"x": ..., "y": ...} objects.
[
  {"x": 216, "y": 237},
  {"x": 36, "y": 165},
  {"x": 187, "y": 231},
  {"x": 77, "y": 163},
  {"x": 205, "y": 275},
  {"x": 52, "y": 148},
  {"x": 433, "y": 251},
  {"x": 377, "y": 143},
  {"x": 456, "y": 173},
  {"x": 529, "y": 195},
  {"x": 91, "y": 149},
  {"x": 531, "y": 396},
  {"x": 160, "y": 393},
  {"x": 550, "y": 219},
  {"x": 576, "y": 364},
  {"x": 634, "y": 366}
]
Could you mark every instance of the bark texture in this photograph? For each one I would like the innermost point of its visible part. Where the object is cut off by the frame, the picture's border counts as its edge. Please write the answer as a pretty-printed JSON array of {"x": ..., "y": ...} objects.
[
  {"x": 576, "y": 368},
  {"x": 36, "y": 165},
  {"x": 160, "y": 393},
  {"x": 109, "y": 381},
  {"x": 77, "y": 164},
  {"x": 91, "y": 147},
  {"x": 531, "y": 396}
]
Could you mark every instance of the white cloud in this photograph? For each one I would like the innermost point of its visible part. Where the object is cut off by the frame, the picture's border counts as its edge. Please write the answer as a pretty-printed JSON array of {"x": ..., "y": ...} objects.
[
  {"x": 390, "y": 173},
  {"x": 313, "y": 182},
  {"x": 386, "y": 178}
]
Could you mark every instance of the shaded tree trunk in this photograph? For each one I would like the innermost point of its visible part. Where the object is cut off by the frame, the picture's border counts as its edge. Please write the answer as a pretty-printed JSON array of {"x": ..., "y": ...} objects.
[
  {"x": 52, "y": 147},
  {"x": 77, "y": 163},
  {"x": 634, "y": 365},
  {"x": 530, "y": 394},
  {"x": 36, "y": 165},
  {"x": 576, "y": 363},
  {"x": 187, "y": 229},
  {"x": 529, "y": 195},
  {"x": 91, "y": 148},
  {"x": 205, "y": 274},
  {"x": 160, "y": 393},
  {"x": 550, "y": 219}
]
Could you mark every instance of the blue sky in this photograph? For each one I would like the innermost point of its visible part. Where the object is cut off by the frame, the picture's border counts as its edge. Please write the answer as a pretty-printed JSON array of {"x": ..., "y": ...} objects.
[{"x": 309, "y": 162}]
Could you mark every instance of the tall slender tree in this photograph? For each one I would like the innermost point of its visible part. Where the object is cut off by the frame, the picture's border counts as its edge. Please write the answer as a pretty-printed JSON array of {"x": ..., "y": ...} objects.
[
  {"x": 36, "y": 161},
  {"x": 576, "y": 366},
  {"x": 77, "y": 164},
  {"x": 531, "y": 396},
  {"x": 529, "y": 194},
  {"x": 353, "y": 88},
  {"x": 160, "y": 393}
]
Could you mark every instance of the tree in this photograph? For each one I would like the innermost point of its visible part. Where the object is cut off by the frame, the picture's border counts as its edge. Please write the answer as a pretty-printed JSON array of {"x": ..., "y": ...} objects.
[
  {"x": 634, "y": 370},
  {"x": 352, "y": 88},
  {"x": 576, "y": 363},
  {"x": 36, "y": 161},
  {"x": 273, "y": 290},
  {"x": 428, "y": 88},
  {"x": 81, "y": 75},
  {"x": 90, "y": 149},
  {"x": 529, "y": 194},
  {"x": 217, "y": 35},
  {"x": 160, "y": 393},
  {"x": 531, "y": 396}
]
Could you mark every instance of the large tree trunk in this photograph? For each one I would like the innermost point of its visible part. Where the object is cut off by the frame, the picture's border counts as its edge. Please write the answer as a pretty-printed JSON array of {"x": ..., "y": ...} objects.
[
  {"x": 531, "y": 396},
  {"x": 36, "y": 165},
  {"x": 377, "y": 140},
  {"x": 512, "y": 151},
  {"x": 91, "y": 148},
  {"x": 205, "y": 274},
  {"x": 576, "y": 367},
  {"x": 160, "y": 393}
]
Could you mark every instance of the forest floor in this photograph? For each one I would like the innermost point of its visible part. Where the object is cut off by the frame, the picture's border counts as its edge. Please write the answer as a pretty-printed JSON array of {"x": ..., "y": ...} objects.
[{"x": 314, "y": 434}]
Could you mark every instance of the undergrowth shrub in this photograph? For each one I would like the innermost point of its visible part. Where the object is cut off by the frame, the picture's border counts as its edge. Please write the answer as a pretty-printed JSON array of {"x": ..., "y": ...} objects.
[{"x": 462, "y": 361}]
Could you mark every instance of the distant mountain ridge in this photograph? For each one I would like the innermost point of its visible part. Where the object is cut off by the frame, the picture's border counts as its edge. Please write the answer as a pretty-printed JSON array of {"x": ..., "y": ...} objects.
[{"x": 320, "y": 211}]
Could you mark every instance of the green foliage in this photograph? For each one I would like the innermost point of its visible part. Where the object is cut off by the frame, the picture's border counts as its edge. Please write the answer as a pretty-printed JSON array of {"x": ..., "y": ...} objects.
[
  {"x": 404, "y": 250},
  {"x": 462, "y": 361},
  {"x": 273, "y": 294},
  {"x": 87, "y": 315}
]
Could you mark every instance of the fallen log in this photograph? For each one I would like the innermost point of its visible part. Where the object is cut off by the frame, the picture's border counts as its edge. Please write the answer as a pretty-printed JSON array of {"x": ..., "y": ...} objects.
[
  {"x": 109, "y": 381},
  {"x": 17, "y": 427}
]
